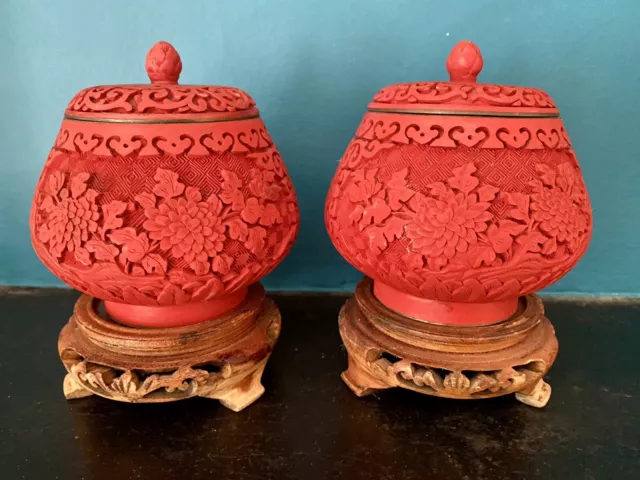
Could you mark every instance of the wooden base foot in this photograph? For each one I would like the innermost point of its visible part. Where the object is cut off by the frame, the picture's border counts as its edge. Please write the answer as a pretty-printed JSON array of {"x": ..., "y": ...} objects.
[
  {"x": 243, "y": 394},
  {"x": 538, "y": 396},
  {"x": 387, "y": 349},
  {"x": 73, "y": 389},
  {"x": 222, "y": 359},
  {"x": 359, "y": 380}
]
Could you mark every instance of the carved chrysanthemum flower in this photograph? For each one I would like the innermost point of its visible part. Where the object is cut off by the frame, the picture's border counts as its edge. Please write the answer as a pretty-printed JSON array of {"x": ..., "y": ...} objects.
[
  {"x": 190, "y": 228},
  {"x": 72, "y": 214},
  {"x": 558, "y": 205},
  {"x": 448, "y": 225}
]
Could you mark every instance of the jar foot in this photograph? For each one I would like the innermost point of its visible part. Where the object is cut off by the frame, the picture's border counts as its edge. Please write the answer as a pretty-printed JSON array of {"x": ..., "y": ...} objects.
[{"x": 537, "y": 396}]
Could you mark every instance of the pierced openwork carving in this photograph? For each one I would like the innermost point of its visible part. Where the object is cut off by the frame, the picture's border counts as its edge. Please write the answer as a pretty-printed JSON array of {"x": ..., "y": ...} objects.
[
  {"x": 221, "y": 360},
  {"x": 131, "y": 386},
  {"x": 468, "y": 383},
  {"x": 387, "y": 350}
]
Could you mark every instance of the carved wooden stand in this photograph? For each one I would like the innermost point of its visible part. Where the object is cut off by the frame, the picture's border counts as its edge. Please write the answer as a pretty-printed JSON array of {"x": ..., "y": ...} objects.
[
  {"x": 221, "y": 359},
  {"x": 387, "y": 350}
]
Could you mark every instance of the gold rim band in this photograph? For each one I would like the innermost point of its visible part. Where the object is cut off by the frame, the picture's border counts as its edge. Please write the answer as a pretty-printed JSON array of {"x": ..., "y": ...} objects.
[
  {"x": 464, "y": 113},
  {"x": 160, "y": 121}
]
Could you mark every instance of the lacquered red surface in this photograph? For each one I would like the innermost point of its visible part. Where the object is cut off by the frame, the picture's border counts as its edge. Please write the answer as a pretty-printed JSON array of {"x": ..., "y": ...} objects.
[
  {"x": 434, "y": 311},
  {"x": 460, "y": 193},
  {"x": 166, "y": 196},
  {"x": 175, "y": 315}
]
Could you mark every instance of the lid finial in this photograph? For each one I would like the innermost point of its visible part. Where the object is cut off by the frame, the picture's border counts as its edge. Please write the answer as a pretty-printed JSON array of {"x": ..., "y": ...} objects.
[
  {"x": 163, "y": 63},
  {"x": 464, "y": 62}
]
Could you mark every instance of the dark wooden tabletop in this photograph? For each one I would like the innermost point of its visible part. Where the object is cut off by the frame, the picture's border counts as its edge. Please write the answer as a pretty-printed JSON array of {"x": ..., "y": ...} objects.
[{"x": 308, "y": 425}]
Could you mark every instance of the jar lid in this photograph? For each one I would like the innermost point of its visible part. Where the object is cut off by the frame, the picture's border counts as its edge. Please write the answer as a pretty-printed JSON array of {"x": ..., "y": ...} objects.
[
  {"x": 462, "y": 95},
  {"x": 163, "y": 100}
]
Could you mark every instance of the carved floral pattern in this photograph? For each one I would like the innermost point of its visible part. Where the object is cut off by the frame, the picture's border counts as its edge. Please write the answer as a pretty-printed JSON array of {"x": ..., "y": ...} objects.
[
  {"x": 170, "y": 244},
  {"x": 185, "y": 225},
  {"x": 72, "y": 214},
  {"x": 556, "y": 203},
  {"x": 451, "y": 220},
  {"x": 446, "y": 240}
]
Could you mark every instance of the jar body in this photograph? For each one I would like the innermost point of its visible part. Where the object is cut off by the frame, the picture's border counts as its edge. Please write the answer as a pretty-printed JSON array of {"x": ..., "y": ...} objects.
[
  {"x": 164, "y": 214},
  {"x": 459, "y": 209}
]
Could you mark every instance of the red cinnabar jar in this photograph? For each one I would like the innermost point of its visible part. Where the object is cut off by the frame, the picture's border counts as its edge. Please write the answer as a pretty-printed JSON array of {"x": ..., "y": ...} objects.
[
  {"x": 166, "y": 201},
  {"x": 458, "y": 197}
]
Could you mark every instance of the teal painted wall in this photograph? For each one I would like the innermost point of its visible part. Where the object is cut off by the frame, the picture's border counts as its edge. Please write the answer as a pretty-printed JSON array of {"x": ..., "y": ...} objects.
[{"x": 312, "y": 66}]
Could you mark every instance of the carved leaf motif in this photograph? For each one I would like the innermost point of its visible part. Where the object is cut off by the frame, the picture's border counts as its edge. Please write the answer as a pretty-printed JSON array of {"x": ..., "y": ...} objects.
[
  {"x": 566, "y": 177},
  {"x": 238, "y": 230},
  {"x": 193, "y": 194},
  {"x": 512, "y": 228},
  {"x": 179, "y": 277},
  {"x": 501, "y": 241},
  {"x": 270, "y": 215},
  {"x": 101, "y": 250},
  {"x": 134, "y": 246},
  {"x": 375, "y": 212},
  {"x": 356, "y": 215},
  {"x": 90, "y": 194},
  {"x": 364, "y": 186},
  {"x": 215, "y": 204},
  {"x": 234, "y": 279},
  {"x": 519, "y": 200},
  {"x": 154, "y": 263},
  {"x": 212, "y": 288},
  {"x": 413, "y": 260},
  {"x": 518, "y": 215},
  {"x": 47, "y": 204},
  {"x": 137, "y": 271},
  {"x": 479, "y": 254},
  {"x": 509, "y": 289},
  {"x": 252, "y": 211},
  {"x": 438, "y": 189},
  {"x": 531, "y": 241},
  {"x": 462, "y": 179},
  {"x": 471, "y": 290},
  {"x": 110, "y": 213},
  {"x": 377, "y": 240},
  {"x": 222, "y": 264},
  {"x": 83, "y": 256},
  {"x": 146, "y": 200},
  {"x": 394, "y": 227},
  {"x": 133, "y": 296},
  {"x": 397, "y": 191},
  {"x": 78, "y": 184},
  {"x": 167, "y": 185},
  {"x": 487, "y": 193},
  {"x": 547, "y": 174},
  {"x": 56, "y": 182},
  {"x": 256, "y": 239},
  {"x": 550, "y": 246},
  {"x": 173, "y": 295},
  {"x": 231, "y": 194}
]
